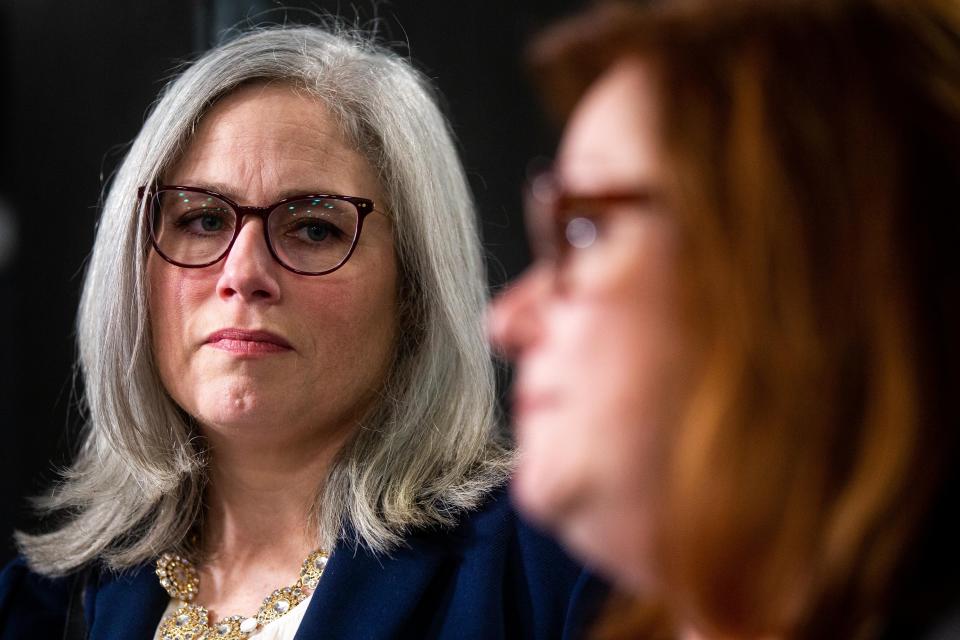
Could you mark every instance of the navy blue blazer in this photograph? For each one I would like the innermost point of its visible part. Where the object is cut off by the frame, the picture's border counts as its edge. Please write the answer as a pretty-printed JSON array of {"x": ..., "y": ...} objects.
[{"x": 490, "y": 577}]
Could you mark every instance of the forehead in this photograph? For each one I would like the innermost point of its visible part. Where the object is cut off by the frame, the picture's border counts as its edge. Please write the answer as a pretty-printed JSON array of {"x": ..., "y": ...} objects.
[
  {"x": 612, "y": 138},
  {"x": 266, "y": 141}
]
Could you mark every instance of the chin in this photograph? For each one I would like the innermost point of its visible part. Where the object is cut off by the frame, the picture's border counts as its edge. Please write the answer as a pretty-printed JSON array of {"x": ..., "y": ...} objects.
[
  {"x": 230, "y": 402},
  {"x": 550, "y": 476},
  {"x": 574, "y": 525},
  {"x": 618, "y": 552},
  {"x": 226, "y": 415},
  {"x": 611, "y": 541},
  {"x": 542, "y": 492}
]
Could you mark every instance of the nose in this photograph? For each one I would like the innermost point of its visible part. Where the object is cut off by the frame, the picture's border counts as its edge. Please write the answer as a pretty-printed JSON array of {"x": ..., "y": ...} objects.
[
  {"x": 249, "y": 271},
  {"x": 515, "y": 316}
]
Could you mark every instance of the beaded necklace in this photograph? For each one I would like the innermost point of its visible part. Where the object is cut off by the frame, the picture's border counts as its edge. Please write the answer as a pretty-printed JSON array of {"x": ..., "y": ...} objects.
[{"x": 190, "y": 621}]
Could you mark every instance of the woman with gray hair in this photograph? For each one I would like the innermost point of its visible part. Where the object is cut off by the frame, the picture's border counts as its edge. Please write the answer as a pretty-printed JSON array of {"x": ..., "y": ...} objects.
[{"x": 281, "y": 347}]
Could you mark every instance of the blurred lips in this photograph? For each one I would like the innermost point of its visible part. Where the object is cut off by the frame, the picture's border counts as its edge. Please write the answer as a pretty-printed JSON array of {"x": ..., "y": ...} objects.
[
  {"x": 526, "y": 403},
  {"x": 247, "y": 342}
]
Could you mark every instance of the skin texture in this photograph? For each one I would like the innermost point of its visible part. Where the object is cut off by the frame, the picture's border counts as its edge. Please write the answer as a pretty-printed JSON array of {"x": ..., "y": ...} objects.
[
  {"x": 274, "y": 419},
  {"x": 597, "y": 348}
]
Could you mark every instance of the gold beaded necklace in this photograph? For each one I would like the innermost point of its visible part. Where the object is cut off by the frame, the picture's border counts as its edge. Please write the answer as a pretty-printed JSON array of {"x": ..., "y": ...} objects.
[{"x": 190, "y": 621}]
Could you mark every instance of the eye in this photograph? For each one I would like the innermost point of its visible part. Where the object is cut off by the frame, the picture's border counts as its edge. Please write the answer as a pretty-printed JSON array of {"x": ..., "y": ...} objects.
[
  {"x": 580, "y": 232},
  {"x": 318, "y": 231},
  {"x": 313, "y": 224},
  {"x": 203, "y": 222},
  {"x": 314, "y": 231},
  {"x": 211, "y": 223}
]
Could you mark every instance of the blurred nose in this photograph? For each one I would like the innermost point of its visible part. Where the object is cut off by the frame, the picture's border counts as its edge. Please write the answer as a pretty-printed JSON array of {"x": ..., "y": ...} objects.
[
  {"x": 249, "y": 270},
  {"x": 515, "y": 316}
]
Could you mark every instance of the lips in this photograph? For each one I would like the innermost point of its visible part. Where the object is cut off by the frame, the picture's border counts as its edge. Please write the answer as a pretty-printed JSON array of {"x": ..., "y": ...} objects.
[
  {"x": 526, "y": 403},
  {"x": 248, "y": 342}
]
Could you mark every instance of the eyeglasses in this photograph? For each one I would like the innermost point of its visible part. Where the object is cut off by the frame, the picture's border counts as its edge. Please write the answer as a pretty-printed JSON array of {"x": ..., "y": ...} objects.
[
  {"x": 311, "y": 235},
  {"x": 559, "y": 223}
]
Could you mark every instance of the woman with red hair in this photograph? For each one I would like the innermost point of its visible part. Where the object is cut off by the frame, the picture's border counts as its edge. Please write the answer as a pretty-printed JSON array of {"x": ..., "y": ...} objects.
[{"x": 736, "y": 350}]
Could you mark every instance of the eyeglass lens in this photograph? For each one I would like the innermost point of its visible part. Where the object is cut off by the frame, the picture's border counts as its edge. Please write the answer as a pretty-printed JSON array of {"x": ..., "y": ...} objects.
[{"x": 196, "y": 229}]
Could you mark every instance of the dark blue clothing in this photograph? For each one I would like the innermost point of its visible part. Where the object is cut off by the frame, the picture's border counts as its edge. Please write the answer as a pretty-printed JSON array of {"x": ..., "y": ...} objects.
[{"x": 490, "y": 577}]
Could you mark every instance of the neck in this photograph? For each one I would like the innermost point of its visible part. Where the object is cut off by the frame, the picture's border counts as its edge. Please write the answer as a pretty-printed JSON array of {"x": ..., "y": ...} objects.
[
  {"x": 257, "y": 529},
  {"x": 260, "y": 497}
]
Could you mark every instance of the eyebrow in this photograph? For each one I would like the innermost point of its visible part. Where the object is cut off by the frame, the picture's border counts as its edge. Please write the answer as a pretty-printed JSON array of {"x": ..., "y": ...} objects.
[
  {"x": 644, "y": 196},
  {"x": 229, "y": 192}
]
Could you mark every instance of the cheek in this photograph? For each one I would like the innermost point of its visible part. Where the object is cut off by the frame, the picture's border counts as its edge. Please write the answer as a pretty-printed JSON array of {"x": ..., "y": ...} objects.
[
  {"x": 608, "y": 354},
  {"x": 585, "y": 443},
  {"x": 590, "y": 468},
  {"x": 174, "y": 298},
  {"x": 352, "y": 324},
  {"x": 615, "y": 346},
  {"x": 620, "y": 336},
  {"x": 613, "y": 384}
]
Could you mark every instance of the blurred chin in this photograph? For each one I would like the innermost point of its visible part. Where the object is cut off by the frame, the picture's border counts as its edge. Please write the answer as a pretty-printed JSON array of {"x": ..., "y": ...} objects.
[
  {"x": 530, "y": 497},
  {"x": 573, "y": 522},
  {"x": 543, "y": 488},
  {"x": 559, "y": 486}
]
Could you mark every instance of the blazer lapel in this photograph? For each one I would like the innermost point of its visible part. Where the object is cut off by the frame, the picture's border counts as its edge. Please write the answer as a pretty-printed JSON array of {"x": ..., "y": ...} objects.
[
  {"x": 128, "y": 606},
  {"x": 362, "y": 595}
]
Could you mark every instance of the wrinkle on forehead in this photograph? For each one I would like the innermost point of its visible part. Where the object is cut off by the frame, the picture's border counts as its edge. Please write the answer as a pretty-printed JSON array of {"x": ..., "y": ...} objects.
[{"x": 280, "y": 142}]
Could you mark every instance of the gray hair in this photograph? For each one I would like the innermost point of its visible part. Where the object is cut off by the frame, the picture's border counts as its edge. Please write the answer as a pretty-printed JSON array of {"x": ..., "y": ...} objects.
[{"x": 428, "y": 450}]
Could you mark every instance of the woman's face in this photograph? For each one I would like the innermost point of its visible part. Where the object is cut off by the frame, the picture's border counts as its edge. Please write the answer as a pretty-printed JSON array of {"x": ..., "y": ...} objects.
[
  {"x": 329, "y": 339},
  {"x": 595, "y": 340}
]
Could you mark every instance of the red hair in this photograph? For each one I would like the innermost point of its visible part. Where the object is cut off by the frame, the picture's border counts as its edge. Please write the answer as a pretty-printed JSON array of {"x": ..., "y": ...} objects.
[{"x": 815, "y": 155}]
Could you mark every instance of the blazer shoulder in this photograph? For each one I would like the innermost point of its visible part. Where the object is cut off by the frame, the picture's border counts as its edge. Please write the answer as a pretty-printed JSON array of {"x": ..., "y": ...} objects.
[
  {"x": 31, "y": 604},
  {"x": 538, "y": 572},
  {"x": 497, "y": 525}
]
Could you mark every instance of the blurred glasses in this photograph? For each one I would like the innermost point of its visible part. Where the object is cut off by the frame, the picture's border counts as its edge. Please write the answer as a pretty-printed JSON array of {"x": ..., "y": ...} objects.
[
  {"x": 559, "y": 223},
  {"x": 308, "y": 234}
]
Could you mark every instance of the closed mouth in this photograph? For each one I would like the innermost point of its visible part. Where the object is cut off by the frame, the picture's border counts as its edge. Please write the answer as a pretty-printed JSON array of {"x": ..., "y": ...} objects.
[{"x": 248, "y": 341}]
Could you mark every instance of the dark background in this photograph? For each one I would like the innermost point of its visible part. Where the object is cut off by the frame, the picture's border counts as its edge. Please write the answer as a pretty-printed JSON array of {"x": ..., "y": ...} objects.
[{"x": 77, "y": 79}]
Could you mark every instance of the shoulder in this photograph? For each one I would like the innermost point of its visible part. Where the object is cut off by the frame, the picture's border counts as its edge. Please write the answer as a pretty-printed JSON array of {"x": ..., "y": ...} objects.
[
  {"x": 497, "y": 529},
  {"x": 31, "y": 605},
  {"x": 490, "y": 577},
  {"x": 548, "y": 593}
]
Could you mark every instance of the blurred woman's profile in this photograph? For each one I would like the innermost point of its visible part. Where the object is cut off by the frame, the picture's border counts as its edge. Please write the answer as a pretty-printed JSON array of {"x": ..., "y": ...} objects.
[{"x": 736, "y": 348}]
